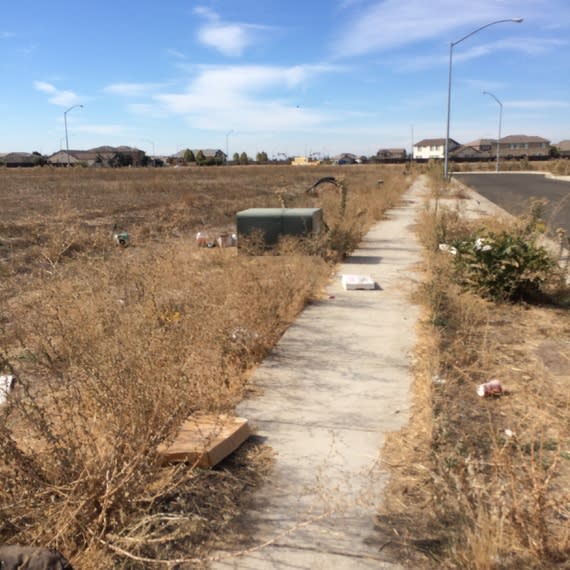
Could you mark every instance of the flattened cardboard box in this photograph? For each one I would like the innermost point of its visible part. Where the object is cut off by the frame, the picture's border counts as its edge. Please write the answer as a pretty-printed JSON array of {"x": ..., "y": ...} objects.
[{"x": 205, "y": 440}]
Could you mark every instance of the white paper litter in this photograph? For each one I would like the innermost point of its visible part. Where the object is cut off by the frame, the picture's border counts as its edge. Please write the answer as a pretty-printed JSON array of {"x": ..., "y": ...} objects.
[
  {"x": 6, "y": 386},
  {"x": 354, "y": 282}
]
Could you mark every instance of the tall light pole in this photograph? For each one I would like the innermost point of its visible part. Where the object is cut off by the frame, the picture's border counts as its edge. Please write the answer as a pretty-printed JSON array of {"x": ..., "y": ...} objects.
[
  {"x": 451, "y": 46},
  {"x": 227, "y": 144},
  {"x": 500, "y": 125},
  {"x": 66, "y": 138}
]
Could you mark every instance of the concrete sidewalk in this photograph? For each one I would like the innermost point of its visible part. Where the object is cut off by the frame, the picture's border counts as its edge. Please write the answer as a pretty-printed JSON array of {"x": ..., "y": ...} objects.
[{"x": 335, "y": 384}]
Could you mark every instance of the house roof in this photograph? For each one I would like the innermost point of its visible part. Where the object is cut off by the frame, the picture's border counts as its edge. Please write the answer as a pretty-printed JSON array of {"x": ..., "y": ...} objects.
[
  {"x": 481, "y": 142},
  {"x": 93, "y": 153},
  {"x": 523, "y": 139},
  {"x": 469, "y": 150},
  {"x": 563, "y": 145},
  {"x": 434, "y": 142},
  {"x": 19, "y": 157}
]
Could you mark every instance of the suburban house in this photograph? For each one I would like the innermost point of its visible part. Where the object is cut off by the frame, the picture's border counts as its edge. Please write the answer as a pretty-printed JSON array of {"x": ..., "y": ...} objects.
[
  {"x": 304, "y": 161},
  {"x": 99, "y": 156},
  {"x": 563, "y": 148},
  {"x": 391, "y": 155},
  {"x": 469, "y": 153},
  {"x": 483, "y": 145},
  {"x": 523, "y": 146},
  {"x": 345, "y": 158},
  {"x": 21, "y": 159},
  {"x": 433, "y": 148}
]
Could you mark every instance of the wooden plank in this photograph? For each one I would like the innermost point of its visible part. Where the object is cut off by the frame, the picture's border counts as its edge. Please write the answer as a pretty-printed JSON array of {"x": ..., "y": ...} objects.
[{"x": 205, "y": 440}]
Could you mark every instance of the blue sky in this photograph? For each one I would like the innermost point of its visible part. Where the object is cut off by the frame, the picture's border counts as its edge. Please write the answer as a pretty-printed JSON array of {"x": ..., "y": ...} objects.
[{"x": 318, "y": 76}]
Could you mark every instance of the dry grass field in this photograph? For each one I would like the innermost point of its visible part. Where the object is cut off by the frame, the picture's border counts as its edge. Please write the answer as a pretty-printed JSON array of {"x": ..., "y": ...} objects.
[{"x": 113, "y": 347}]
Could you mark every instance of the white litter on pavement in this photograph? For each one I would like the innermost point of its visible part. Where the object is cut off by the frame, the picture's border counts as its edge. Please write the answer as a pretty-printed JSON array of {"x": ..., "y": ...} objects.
[{"x": 354, "y": 282}]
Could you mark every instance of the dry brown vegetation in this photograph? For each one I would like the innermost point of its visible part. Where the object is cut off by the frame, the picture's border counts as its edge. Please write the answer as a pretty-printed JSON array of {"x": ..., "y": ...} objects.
[
  {"x": 482, "y": 483},
  {"x": 113, "y": 347},
  {"x": 560, "y": 166}
]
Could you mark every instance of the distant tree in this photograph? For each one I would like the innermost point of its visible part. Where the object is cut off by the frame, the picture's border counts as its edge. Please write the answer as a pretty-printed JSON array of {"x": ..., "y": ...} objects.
[
  {"x": 243, "y": 158},
  {"x": 200, "y": 158},
  {"x": 122, "y": 159},
  {"x": 363, "y": 159},
  {"x": 236, "y": 157},
  {"x": 261, "y": 157},
  {"x": 145, "y": 159},
  {"x": 553, "y": 152},
  {"x": 39, "y": 159},
  {"x": 189, "y": 156}
]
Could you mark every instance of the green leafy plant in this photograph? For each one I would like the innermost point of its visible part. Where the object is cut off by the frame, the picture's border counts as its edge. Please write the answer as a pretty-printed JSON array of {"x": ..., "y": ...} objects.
[{"x": 501, "y": 266}]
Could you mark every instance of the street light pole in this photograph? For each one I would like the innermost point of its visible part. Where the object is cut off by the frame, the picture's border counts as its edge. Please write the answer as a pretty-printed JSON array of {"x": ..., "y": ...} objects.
[
  {"x": 451, "y": 46},
  {"x": 500, "y": 125},
  {"x": 227, "y": 144},
  {"x": 66, "y": 137}
]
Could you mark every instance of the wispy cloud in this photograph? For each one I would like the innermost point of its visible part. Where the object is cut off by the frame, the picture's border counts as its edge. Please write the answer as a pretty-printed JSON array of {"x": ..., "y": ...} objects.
[
  {"x": 63, "y": 98},
  {"x": 537, "y": 104},
  {"x": 175, "y": 53},
  {"x": 527, "y": 46},
  {"x": 246, "y": 97},
  {"x": 132, "y": 89},
  {"x": 388, "y": 24},
  {"x": 229, "y": 38},
  {"x": 7, "y": 35}
]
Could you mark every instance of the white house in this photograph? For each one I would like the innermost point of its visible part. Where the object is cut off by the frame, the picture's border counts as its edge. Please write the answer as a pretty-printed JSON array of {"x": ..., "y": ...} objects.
[{"x": 432, "y": 148}]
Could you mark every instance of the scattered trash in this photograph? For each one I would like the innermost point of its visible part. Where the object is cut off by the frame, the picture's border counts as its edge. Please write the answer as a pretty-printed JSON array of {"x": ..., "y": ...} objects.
[
  {"x": 437, "y": 379},
  {"x": 354, "y": 282},
  {"x": 121, "y": 238},
  {"x": 448, "y": 248},
  {"x": 332, "y": 297},
  {"x": 491, "y": 388},
  {"x": 223, "y": 240},
  {"x": 244, "y": 336},
  {"x": 480, "y": 245},
  {"x": 509, "y": 433},
  {"x": 7, "y": 384},
  {"x": 227, "y": 240},
  {"x": 205, "y": 440},
  {"x": 202, "y": 239}
]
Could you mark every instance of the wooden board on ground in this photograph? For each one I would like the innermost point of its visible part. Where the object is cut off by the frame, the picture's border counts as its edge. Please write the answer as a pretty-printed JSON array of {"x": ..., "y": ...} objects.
[{"x": 205, "y": 440}]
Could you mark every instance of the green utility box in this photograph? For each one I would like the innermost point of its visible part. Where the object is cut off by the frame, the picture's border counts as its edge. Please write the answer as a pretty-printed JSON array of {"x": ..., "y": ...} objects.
[{"x": 275, "y": 222}]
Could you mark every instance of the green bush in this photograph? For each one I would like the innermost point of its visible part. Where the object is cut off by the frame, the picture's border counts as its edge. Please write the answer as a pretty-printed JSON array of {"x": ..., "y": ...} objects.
[{"x": 501, "y": 266}]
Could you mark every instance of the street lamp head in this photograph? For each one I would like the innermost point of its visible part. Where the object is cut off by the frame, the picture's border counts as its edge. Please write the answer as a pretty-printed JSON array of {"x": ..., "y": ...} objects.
[{"x": 518, "y": 20}]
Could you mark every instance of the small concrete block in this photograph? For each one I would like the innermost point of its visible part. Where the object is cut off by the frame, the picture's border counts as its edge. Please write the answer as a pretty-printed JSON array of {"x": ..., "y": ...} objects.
[
  {"x": 353, "y": 282},
  {"x": 205, "y": 440}
]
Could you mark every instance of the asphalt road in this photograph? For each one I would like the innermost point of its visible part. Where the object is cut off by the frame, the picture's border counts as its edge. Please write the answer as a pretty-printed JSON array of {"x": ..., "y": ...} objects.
[{"x": 514, "y": 191}]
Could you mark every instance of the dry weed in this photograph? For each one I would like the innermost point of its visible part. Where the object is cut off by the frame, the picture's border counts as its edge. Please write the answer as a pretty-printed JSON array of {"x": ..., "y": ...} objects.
[
  {"x": 482, "y": 483},
  {"x": 113, "y": 347}
]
